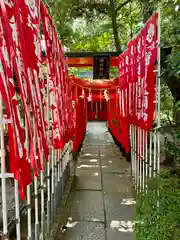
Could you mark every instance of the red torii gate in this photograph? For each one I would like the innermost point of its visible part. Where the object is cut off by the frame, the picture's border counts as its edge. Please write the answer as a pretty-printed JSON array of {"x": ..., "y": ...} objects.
[
  {"x": 94, "y": 89},
  {"x": 86, "y": 59}
]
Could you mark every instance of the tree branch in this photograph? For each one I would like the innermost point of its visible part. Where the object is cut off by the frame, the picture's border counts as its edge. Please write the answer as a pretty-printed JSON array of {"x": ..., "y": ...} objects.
[
  {"x": 80, "y": 9},
  {"x": 122, "y": 5}
]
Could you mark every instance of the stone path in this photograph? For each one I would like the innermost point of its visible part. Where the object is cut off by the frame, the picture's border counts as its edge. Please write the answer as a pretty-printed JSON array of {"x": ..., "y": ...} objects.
[{"x": 103, "y": 204}]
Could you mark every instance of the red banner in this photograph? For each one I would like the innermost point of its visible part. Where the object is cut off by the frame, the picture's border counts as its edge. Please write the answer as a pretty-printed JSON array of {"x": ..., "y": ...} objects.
[
  {"x": 19, "y": 165},
  {"x": 117, "y": 124},
  {"x": 21, "y": 78},
  {"x": 80, "y": 124},
  {"x": 60, "y": 87},
  {"x": 136, "y": 77}
]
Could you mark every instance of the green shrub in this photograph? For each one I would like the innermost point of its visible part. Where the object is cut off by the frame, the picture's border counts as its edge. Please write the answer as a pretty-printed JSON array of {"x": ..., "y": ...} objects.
[{"x": 163, "y": 222}]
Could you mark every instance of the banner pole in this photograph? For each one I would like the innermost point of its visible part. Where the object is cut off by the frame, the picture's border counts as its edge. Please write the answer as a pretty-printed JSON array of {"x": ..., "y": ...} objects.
[
  {"x": 29, "y": 237},
  {"x": 143, "y": 158},
  {"x": 146, "y": 159},
  {"x": 36, "y": 188},
  {"x": 3, "y": 170},
  {"x": 135, "y": 155},
  {"x": 158, "y": 85},
  {"x": 158, "y": 98}
]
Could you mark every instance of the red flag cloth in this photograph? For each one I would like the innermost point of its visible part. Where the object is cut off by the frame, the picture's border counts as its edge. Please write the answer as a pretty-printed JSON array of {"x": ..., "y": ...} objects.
[
  {"x": 18, "y": 163},
  {"x": 151, "y": 40},
  {"x": 21, "y": 59},
  {"x": 122, "y": 114},
  {"x": 147, "y": 48},
  {"x": 20, "y": 65},
  {"x": 132, "y": 46},
  {"x": 123, "y": 69},
  {"x": 118, "y": 124},
  {"x": 140, "y": 57},
  {"x": 132, "y": 81},
  {"x": 102, "y": 116},
  {"x": 61, "y": 97},
  {"x": 91, "y": 116},
  {"x": 80, "y": 124},
  {"x": 55, "y": 80},
  {"x": 20, "y": 70},
  {"x": 31, "y": 29},
  {"x": 148, "y": 107}
]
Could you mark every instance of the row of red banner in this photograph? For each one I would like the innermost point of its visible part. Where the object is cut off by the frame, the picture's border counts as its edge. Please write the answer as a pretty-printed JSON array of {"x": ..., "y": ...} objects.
[
  {"x": 22, "y": 24},
  {"x": 136, "y": 98},
  {"x": 137, "y": 78}
]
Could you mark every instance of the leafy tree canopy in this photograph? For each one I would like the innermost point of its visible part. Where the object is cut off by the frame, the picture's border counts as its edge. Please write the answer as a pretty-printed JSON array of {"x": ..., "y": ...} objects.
[{"x": 108, "y": 25}]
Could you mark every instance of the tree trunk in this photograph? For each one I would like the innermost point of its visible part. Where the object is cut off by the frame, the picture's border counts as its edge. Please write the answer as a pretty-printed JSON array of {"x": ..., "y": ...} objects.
[
  {"x": 115, "y": 26},
  {"x": 172, "y": 81}
]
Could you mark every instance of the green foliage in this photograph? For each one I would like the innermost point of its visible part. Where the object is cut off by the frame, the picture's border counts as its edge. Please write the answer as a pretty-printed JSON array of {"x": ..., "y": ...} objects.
[
  {"x": 77, "y": 71},
  {"x": 173, "y": 148},
  {"x": 166, "y": 105},
  {"x": 91, "y": 36},
  {"x": 163, "y": 222},
  {"x": 88, "y": 26},
  {"x": 95, "y": 31},
  {"x": 170, "y": 23},
  {"x": 113, "y": 72}
]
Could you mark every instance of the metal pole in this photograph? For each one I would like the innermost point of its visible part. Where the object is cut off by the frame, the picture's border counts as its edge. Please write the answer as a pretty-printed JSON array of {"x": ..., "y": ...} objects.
[
  {"x": 146, "y": 159},
  {"x": 143, "y": 159},
  {"x": 55, "y": 181},
  {"x": 42, "y": 205},
  {"x": 154, "y": 153},
  {"x": 52, "y": 185},
  {"x": 131, "y": 147},
  {"x": 28, "y": 193},
  {"x": 36, "y": 209},
  {"x": 29, "y": 212},
  {"x": 140, "y": 159},
  {"x": 158, "y": 87},
  {"x": 150, "y": 155},
  {"x": 3, "y": 170},
  {"x": 28, "y": 189},
  {"x": 136, "y": 140},
  {"x": 58, "y": 177},
  {"x": 158, "y": 84},
  {"x": 135, "y": 155},
  {"x": 60, "y": 173},
  {"x": 49, "y": 158},
  {"x": 18, "y": 233},
  {"x": 48, "y": 197},
  {"x": 36, "y": 191}
]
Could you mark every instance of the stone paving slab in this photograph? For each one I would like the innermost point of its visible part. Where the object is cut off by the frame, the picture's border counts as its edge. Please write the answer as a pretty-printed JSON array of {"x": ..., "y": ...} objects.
[
  {"x": 92, "y": 150},
  {"x": 86, "y": 231},
  {"x": 88, "y": 155},
  {"x": 107, "y": 155},
  {"x": 89, "y": 179},
  {"x": 115, "y": 160},
  {"x": 118, "y": 208},
  {"x": 121, "y": 184},
  {"x": 103, "y": 204},
  {"x": 82, "y": 159},
  {"x": 89, "y": 164},
  {"x": 113, "y": 234},
  {"x": 115, "y": 165},
  {"x": 88, "y": 206}
]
